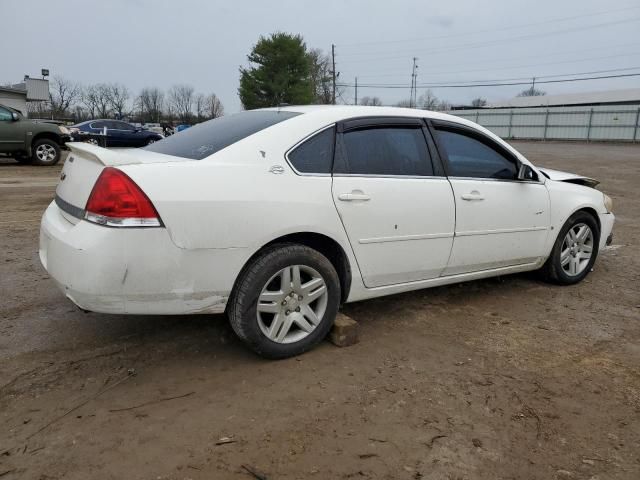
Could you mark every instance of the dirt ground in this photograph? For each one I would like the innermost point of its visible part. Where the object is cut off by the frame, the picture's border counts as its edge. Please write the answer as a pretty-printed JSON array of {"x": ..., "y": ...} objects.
[{"x": 507, "y": 378}]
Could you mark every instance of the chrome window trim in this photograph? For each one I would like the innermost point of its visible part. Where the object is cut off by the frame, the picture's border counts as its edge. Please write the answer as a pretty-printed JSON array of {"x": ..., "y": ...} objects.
[
  {"x": 317, "y": 132},
  {"x": 483, "y": 179},
  {"x": 373, "y": 175}
]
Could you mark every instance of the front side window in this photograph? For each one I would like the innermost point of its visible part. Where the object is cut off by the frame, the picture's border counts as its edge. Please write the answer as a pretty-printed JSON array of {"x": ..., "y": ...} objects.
[
  {"x": 384, "y": 151},
  {"x": 113, "y": 124},
  {"x": 98, "y": 125},
  {"x": 469, "y": 157},
  {"x": 5, "y": 115},
  {"x": 209, "y": 137},
  {"x": 314, "y": 155}
]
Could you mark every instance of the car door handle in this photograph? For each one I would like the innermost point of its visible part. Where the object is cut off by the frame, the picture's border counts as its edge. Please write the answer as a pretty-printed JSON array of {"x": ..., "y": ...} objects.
[
  {"x": 472, "y": 196},
  {"x": 353, "y": 196}
]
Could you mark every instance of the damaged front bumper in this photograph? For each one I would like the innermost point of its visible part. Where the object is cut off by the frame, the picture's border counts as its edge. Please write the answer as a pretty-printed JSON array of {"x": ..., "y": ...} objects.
[{"x": 134, "y": 271}]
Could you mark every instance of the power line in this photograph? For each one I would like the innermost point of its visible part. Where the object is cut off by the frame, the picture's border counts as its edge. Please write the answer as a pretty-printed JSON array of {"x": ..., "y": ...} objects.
[
  {"x": 513, "y": 67},
  {"x": 469, "y": 85},
  {"x": 512, "y": 27},
  {"x": 485, "y": 43},
  {"x": 518, "y": 78}
]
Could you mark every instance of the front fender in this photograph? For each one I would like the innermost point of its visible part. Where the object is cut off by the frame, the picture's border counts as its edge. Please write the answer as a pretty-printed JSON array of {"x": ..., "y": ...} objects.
[{"x": 568, "y": 198}]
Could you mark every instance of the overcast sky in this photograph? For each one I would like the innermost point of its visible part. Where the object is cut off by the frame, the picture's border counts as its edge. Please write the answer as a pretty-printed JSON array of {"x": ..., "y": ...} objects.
[{"x": 203, "y": 43}]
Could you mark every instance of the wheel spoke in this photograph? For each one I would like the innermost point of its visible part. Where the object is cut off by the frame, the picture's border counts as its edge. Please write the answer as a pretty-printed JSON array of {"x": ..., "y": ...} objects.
[
  {"x": 311, "y": 285},
  {"x": 286, "y": 326},
  {"x": 313, "y": 296},
  {"x": 581, "y": 236},
  {"x": 285, "y": 284},
  {"x": 586, "y": 248},
  {"x": 309, "y": 314},
  {"x": 297, "y": 283},
  {"x": 269, "y": 307},
  {"x": 303, "y": 323},
  {"x": 276, "y": 326},
  {"x": 574, "y": 265},
  {"x": 571, "y": 235},
  {"x": 565, "y": 256},
  {"x": 268, "y": 296}
]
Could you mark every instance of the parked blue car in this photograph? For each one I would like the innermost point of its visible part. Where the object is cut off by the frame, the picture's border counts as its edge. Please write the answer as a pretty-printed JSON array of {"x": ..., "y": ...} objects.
[
  {"x": 182, "y": 127},
  {"x": 119, "y": 134}
]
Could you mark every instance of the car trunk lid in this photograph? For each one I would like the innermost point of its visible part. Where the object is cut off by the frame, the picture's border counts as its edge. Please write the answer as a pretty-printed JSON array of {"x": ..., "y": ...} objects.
[{"x": 83, "y": 167}]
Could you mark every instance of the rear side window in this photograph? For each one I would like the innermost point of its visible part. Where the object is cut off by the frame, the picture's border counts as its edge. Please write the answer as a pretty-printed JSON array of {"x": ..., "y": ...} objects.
[
  {"x": 210, "y": 137},
  {"x": 314, "y": 155},
  {"x": 98, "y": 125},
  {"x": 384, "y": 151},
  {"x": 469, "y": 157}
]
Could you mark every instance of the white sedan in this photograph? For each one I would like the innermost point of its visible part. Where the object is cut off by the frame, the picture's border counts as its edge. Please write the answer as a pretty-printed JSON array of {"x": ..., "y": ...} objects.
[{"x": 279, "y": 216}]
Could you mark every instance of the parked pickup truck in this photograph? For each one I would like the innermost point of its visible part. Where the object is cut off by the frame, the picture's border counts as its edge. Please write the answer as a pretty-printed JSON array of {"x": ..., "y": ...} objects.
[{"x": 30, "y": 141}]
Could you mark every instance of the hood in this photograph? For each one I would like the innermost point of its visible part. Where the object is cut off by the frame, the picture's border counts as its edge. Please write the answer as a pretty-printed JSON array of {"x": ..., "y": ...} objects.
[{"x": 559, "y": 176}]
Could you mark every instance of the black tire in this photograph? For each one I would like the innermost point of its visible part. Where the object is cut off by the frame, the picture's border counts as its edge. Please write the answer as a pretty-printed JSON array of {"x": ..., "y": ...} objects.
[
  {"x": 552, "y": 270},
  {"x": 242, "y": 307},
  {"x": 50, "y": 145},
  {"x": 150, "y": 141}
]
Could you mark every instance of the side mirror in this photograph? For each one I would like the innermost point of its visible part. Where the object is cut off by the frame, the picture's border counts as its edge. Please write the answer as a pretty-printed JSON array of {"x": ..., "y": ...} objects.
[
  {"x": 15, "y": 117},
  {"x": 526, "y": 173}
]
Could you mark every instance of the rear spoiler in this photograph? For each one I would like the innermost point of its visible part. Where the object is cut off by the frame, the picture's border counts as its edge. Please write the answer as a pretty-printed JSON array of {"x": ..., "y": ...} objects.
[{"x": 104, "y": 156}]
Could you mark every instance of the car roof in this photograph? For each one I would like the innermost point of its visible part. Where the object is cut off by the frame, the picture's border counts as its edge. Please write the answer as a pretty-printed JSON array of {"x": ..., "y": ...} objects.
[{"x": 343, "y": 112}]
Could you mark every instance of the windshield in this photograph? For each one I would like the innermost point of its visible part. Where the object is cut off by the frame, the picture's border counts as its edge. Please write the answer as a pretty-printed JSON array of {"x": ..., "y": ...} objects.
[{"x": 207, "y": 138}]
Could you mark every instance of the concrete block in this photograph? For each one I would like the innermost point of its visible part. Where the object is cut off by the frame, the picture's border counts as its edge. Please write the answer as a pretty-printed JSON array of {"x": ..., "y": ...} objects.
[{"x": 344, "y": 332}]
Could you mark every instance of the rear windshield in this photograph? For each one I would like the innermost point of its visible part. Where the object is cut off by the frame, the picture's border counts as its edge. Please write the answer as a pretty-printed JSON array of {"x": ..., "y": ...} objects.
[{"x": 209, "y": 137}]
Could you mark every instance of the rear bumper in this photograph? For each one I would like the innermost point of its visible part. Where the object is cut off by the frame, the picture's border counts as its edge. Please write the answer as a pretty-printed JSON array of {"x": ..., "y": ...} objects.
[{"x": 134, "y": 270}]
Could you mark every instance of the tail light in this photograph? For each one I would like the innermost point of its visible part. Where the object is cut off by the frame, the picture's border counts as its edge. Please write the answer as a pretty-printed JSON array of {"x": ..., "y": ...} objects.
[{"x": 117, "y": 201}]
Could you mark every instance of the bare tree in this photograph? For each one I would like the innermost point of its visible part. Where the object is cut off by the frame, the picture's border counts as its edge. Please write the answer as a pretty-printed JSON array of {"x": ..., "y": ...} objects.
[
  {"x": 96, "y": 100},
  {"x": 64, "y": 94},
  {"x": 404, "y": 104},
  {"x": 321, "y": 77},
  {"x": 531, "y": 92},
  {"x": 478, "y": 102},
  {"x": 428, "y": 101},
  {"x": 181, "y": 99},
  {"x": 214, "y": 108},
  {"x": 371, "y": 101},
  {"x": 118, "y": 96},
  {"x": 200, "y": 102},
  {"x": 443, "y": 105},
  {"x": 89, "y": 100},
  {"x": 150, "y": 103}
]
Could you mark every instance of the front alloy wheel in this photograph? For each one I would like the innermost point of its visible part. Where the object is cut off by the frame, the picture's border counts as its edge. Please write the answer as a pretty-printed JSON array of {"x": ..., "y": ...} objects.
[
  {"x": 45, "y": 152},
  {"x": 574, "y": 251},
  {"x": 577, "y": 248},
  {"x": 285, "y": 300}
]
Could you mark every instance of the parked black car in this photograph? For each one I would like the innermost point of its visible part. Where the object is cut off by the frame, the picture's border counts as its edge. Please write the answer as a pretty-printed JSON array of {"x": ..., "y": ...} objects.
[{"x": 119, "y": 134}]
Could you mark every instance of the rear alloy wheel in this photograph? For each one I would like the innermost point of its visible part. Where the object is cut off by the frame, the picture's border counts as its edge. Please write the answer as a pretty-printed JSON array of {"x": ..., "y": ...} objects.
[
  {"x": 575, "y": 250},
  {"x": 285, "y": 301},
  {"x": 45, "y": 152}
]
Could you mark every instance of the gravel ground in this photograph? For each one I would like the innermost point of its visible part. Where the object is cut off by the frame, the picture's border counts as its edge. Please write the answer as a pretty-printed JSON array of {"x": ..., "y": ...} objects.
[{"x": 495, "y": 379}]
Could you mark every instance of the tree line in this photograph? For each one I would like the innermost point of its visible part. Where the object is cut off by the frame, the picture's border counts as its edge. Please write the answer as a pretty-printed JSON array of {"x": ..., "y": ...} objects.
[{"x": 71, "y": 100}]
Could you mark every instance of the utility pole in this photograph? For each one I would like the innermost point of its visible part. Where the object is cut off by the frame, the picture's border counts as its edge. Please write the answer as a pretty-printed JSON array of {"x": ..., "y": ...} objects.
[
  {"x": 533, "y": 85},
  {"x": 414, "y": 84},
  {"x": 356, "y": 102},
  {"x": 333, "y": 73}
]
